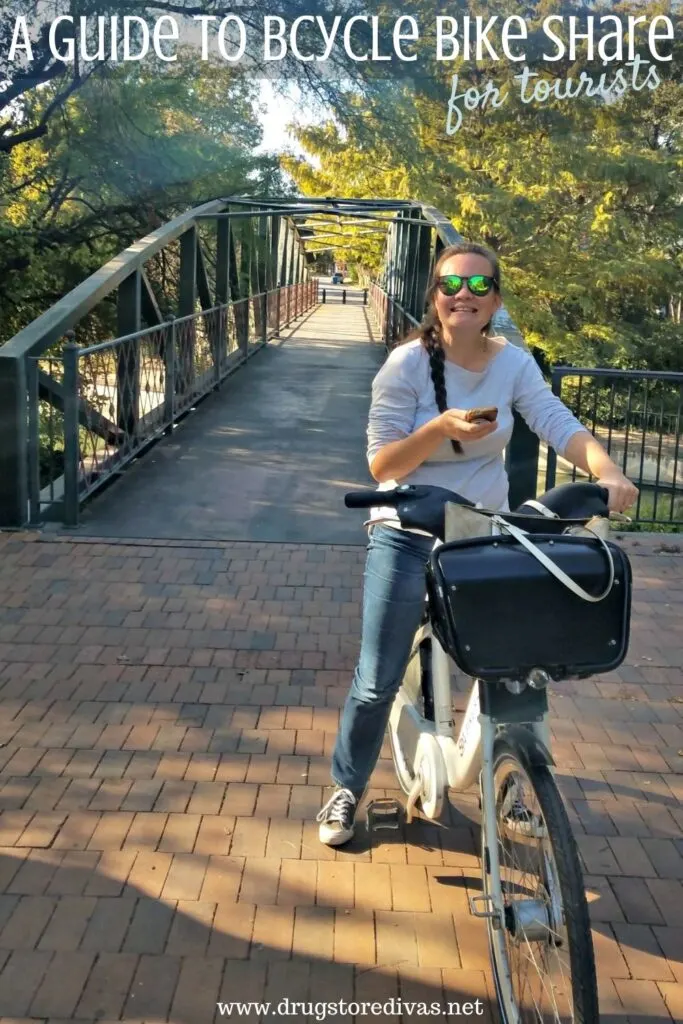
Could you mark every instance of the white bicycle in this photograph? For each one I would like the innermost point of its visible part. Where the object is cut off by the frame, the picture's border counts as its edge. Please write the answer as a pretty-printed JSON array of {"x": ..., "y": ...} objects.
[{"x": 513, "y": 613}]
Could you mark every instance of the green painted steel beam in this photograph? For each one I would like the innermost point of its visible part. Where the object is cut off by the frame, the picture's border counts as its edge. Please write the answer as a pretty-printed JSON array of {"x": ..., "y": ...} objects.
[
  {"x": 129, "y": 321},
  {"x": 13, "y": 450},
  {"x": 223, "y": 238},
  {"x": 53, "y": 324},
  {"x": 150, "y": 307},
  {"x": 206, "y": 300}
]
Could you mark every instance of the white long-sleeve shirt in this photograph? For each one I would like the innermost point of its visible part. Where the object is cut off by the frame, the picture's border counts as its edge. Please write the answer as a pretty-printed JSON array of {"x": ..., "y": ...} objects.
[{"x": 403, "y": 400}]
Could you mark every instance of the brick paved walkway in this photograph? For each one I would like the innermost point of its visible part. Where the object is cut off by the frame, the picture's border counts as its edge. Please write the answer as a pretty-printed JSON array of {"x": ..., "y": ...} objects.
[{"x": 167, "y": 717}]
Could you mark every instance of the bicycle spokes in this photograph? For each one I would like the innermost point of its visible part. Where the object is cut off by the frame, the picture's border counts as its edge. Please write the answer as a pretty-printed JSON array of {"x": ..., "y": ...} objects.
[{"x": 536, "y": 955}]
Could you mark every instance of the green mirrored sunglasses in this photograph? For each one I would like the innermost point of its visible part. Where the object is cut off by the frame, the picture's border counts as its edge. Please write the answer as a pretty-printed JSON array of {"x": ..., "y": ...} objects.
[{"x": 477, "y": 284}]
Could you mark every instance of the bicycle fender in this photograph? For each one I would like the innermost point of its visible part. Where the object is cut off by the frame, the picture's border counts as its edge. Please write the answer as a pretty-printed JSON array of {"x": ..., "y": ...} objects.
[{"x": 520, "y": 741}]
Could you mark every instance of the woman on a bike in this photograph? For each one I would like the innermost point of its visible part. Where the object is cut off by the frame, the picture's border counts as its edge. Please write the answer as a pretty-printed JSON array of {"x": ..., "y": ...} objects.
[{"x": 418, "y": 433}]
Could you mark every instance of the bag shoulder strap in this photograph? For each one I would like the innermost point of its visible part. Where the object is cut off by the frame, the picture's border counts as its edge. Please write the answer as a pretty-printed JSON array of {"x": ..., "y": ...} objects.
[
  {"x": 558, "y": 573},
  {"x": 532, "y": 503}
]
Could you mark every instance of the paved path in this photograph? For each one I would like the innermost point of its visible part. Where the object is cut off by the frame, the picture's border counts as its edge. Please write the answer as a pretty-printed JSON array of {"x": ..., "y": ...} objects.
[
  {"x": 269, "y": 456},
  {"x": 167, "y": 713}
]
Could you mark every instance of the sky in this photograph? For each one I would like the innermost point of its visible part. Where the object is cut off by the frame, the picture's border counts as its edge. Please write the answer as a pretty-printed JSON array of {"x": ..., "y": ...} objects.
[{"x": 280, "y": 111}]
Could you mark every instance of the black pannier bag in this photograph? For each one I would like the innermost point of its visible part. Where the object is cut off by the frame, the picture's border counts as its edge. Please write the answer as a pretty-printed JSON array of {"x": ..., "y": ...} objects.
[{"x": 500, "y": 612}]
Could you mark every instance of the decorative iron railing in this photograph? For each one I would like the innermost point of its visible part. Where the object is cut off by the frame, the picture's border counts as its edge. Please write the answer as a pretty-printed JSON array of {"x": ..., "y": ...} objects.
[
  {"x": 393, "y": 321},
  {"x": 637, "y": 415},
  {"x": 118, "y": 396},
  {"x": 232, "y": 268}
]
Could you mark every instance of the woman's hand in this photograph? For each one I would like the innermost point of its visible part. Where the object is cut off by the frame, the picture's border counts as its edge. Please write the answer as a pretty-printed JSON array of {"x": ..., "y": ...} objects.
[
  {"x": 622, "y": 493},
  {"x": 455, "y": 426},
  {"x": 586, "y": 452}
]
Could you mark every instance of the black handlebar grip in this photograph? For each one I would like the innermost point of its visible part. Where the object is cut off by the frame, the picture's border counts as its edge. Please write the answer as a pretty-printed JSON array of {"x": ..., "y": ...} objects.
[{"x": 363, "y": 499}]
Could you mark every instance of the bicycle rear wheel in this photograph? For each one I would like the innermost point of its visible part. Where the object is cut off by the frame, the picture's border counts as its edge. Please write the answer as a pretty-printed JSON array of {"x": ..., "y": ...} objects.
[{"x": 542, "y": 958}]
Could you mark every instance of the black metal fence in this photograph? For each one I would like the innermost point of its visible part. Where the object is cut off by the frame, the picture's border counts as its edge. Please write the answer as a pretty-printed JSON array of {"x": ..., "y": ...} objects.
[
  {"x": 346, "y": 295},
  {"x": 109, "y": 401},
  {"x": 636, "y": 415}
]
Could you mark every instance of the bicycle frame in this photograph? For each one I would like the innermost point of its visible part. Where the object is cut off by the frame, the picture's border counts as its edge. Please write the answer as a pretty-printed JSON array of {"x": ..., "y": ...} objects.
[
  {"x": 464, "y": 755},
  {"x": 469, "y": 755}
]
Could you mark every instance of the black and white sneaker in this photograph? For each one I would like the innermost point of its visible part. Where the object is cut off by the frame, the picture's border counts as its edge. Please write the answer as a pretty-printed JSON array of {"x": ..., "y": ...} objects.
[{"x": 336, "y": 818}]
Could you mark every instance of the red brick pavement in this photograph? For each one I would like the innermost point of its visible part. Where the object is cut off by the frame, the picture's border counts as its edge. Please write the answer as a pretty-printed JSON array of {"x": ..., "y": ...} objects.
[{"x": 167, "y": 714}]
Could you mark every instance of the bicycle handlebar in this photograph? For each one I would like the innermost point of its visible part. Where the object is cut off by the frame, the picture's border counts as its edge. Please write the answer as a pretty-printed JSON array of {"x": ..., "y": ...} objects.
[
  {"x": 407, "y": 492},
  {"x": 372, "y": 499},
  {"x": 423, "y": 506},
  {"x": 361, "y": 499}
]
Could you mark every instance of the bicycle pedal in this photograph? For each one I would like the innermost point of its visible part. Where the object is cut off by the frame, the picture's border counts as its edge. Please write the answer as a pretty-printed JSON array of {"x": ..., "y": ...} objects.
[{"x": 383, "y": 813}]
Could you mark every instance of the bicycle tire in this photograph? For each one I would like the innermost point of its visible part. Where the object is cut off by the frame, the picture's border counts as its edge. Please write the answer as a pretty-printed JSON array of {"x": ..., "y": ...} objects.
[{"x": 569, "y": 879}]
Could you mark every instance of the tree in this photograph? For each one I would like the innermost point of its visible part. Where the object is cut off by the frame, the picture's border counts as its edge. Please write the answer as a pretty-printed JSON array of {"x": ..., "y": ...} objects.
[
  {"x": 581, "y": 199},
  {"x": 95, "y": 155},
  {"x": 128, "y": 152},
  {"x": 22, "y": 119}
]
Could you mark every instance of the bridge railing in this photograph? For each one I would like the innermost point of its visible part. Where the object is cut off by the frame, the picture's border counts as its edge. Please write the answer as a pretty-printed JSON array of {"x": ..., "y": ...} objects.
[
  {"x": 225, "y": 252},
  {"x": 637, "y": 415},
  {"x": 118, "y": 396},
  {"x": 393, "y": 321}
]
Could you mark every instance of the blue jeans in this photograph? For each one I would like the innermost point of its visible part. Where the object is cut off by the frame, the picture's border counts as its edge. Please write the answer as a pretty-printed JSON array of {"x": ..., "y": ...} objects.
[{"x": 393, "y": 603}]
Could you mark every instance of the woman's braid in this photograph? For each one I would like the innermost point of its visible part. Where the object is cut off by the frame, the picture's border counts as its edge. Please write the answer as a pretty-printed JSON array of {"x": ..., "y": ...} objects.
[{"x": 437, "y": 360}]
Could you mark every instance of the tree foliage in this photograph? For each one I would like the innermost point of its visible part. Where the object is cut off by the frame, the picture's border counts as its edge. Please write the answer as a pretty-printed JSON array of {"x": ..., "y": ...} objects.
[
  {"x": 94, "y": 156},
  {"x": 126, "y": 153},
  {"x": 581, "y": 199}
]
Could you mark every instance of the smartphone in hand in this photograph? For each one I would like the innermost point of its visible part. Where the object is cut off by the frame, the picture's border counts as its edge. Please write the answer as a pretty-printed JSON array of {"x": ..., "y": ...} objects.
[{"x": 487, "y": 413}]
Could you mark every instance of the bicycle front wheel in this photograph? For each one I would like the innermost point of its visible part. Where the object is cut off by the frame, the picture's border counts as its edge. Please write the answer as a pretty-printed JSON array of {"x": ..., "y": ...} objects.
[{"x": 542, "y": 956}]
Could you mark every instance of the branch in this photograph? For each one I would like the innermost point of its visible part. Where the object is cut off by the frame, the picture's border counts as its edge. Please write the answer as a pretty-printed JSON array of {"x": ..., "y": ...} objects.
[
  {"x": 40, "y": 71},
  {"x": 30, "y": 80},
  {"x": 26, "y": 183},
  {"x": 8, "y": 143},
  {"x": 60, "y": 195}
]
